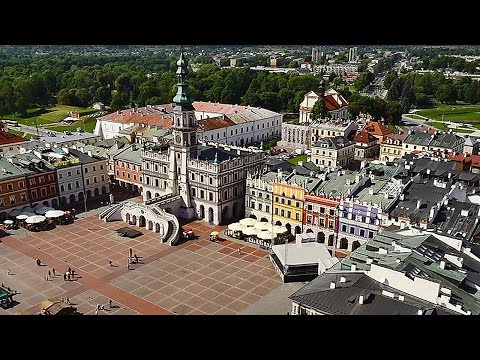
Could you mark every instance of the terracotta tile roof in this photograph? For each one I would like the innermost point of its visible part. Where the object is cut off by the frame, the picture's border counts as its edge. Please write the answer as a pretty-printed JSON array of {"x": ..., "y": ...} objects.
[
  {"x": 160, "y": 116},
  {"x": 473, "y": 160},
  {"x": 331, "y": 103},
  {"x": 375, "y": 128},
  {"x": 364, "y": 137},
  {"x": 214, "y": 123},
  {"x": 212, "y": 107},
  {"x": 9, "y": 138}
]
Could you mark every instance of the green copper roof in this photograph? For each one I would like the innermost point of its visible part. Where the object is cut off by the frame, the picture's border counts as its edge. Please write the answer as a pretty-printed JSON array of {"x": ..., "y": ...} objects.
[{"x": 182, "y": 97}]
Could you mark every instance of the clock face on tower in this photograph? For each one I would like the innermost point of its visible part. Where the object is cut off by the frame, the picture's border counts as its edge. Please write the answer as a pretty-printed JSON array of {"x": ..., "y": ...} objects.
[{"x": 178, "y": 139}]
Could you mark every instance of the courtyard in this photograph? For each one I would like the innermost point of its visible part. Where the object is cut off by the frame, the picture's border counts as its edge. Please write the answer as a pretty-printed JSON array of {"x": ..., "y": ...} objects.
[{"x": 195, "y": 277}]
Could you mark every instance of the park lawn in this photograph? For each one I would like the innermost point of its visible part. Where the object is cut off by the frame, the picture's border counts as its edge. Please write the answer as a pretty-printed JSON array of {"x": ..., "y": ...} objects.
[
  {"x": 51, "y": 115},
  {"x": 20, "y": 133},
  {"x": 443, "y": 126},
  {"x": 90, "y": 123},
  {"x": 298, "y": 158},
  {"x": 455, "y": 113}
]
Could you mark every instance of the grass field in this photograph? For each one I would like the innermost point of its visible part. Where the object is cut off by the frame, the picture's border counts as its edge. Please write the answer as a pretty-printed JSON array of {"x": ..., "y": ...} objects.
[
  {"x": 21, "y": 134},
  {"x": 51, "y": 115},
  {"x": 455, "y": 113},
  {"x": 90, "y": 123},
  {"x": 298, "y": 158}
]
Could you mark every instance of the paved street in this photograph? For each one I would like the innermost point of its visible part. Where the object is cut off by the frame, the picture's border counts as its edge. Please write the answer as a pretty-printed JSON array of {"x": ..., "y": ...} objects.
[{"x": 196, "y": 277}]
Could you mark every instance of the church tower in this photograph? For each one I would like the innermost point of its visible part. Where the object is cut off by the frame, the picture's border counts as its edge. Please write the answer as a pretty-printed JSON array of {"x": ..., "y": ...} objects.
[{"x": 184, "y": 138}]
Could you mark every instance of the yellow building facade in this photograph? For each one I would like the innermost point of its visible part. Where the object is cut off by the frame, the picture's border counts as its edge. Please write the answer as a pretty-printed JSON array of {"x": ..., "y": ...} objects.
[{"x": 288, "y": 202}]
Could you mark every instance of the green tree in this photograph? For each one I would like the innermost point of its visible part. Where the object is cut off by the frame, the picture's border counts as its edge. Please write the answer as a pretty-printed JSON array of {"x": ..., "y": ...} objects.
[
  {"x": 447, "y": 94},
  {"x": 319, "y": 110},
  {"x": 389, "y": 77}
]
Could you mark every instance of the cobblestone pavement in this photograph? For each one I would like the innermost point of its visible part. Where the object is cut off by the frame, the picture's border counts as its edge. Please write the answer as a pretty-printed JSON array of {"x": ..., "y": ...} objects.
[{"x": 195, "y": 277}]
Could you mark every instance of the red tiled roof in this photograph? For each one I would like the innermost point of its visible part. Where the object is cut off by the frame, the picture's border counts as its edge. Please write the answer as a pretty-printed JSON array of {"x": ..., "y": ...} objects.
[
  {"x": 364, "y": 137},
  {"x": 9, "y": 138},
  {"x": 456, "y": 157},
  {"x": 473, "y": 160},
  {"x": 215, "y": 123},
  {"x": 375, "y": 128}
]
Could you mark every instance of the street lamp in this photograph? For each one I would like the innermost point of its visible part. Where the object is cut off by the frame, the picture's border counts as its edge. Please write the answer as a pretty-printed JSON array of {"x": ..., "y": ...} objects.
[{"x": 85, "y": 203}]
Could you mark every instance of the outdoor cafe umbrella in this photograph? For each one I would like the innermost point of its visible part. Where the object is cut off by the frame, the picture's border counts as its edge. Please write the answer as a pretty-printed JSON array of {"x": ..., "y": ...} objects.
[
  {"x": 236, "y": 227},
  {"x": 43, "y": 210},
  {"x": 263, "y": 226},
  {"x": 25, "y": 215},
  {"x": 214, "y": 233},
  {"x": 249, "y": 231},
  {"x": 266, "y": 235},
  {"x": 8, "y": 222},
  {"x": 54, "y": 214},
  {"x": 36, "y": 219},
  {"x": 248, "y": 222},
  {"x": 277, "y": 229}
]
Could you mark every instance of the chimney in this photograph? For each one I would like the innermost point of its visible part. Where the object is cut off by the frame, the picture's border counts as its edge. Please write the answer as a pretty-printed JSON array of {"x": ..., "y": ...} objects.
[
  {"x": 428, "y": 171},
  {"x": 89, "y": 152},
  {"x": 402, "y": 197},
  {"x": 300, "y": 163},
  {"x": 420, "y": 312},
  {"x": 364, "y": 297},
  {"x": 464, "y": 212},
  {"x": 442, "y": 264},
  {"x": 449, "y": 175},
  {"x": 419, "y": 203},
  {"x": 343, "y": 279},
  {"x": 332, "y": 284},
  {"x": 134, "y": 147}
]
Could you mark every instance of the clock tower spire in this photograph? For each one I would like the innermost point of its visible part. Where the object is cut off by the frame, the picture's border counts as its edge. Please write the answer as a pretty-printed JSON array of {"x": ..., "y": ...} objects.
[{"x": 184, "y": 135}]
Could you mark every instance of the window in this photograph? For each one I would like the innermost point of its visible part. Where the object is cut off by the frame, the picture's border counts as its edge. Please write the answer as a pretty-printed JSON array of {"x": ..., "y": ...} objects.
[
  {"x": 101, "y": 167},
  {"x": 353, "y": 217},
  {"x": 87, "y": 181},
  {"x": 225, "y": 195},
  {"x": 322, "y": 222},
  {"x": 362, "y": 232},
  {"x": 52, "y": 189},
  {"x": 370, "y": 234},
  {"x": 193, "y": 176},
  {"x": 62, "y": 188},
  {"x": 34, "y": 194},
  {"x": 69, "y": 186},
  {"x": 43, "y": 191},
  {"x": 194, "y": 192},
  {"x": 322, "y": 210},
  {"x": 60, "y": 176},
  {"x": 276, "y": 199},
  {"x": 134, "y": 177},
  {"x": 86, "y": 170},
  {"x": 77, "y": 185},
  {"x": 276, "y": 211},
  {"x": 252, "y": 204},
  {"x": 96, "y": 169},
  {"x": 344, "y": 228},
  {"x": 282, "y": 201},
  {"x": 69, "y": 174},
  {"x": 332, "y": 212},
  {"x": 330, "y": 224},
  {"x": 289, "y": 202},
  {"x": 267, "y": 208},
  {"x": 364, "y": 219},
  {"x": 289, "y": 214},
  {"x": 10, "y": 187},
  {"x": 41, "y": 180},
  {"x": 210, "y": 196},
  {"x": 21, "y": 184},
  {"x": 260, "y": 194},
  {"x": 260, "y": 205},
  {"x": 12, "y": 199},
  {"x": 352, "y": 230},
  {"x": 297, "y": 216},
  {"x": 282, "y": 213},
  {"x": 202, "y": 194},
  {"x": 201, "y": 178},
  {"x": 309, "y": 207},
  {"x": 253, "y": 193},
  {"x": 297, "y": 204},
  {"x": 23, "y": 196},
  {"x": 210, "y": 181}
]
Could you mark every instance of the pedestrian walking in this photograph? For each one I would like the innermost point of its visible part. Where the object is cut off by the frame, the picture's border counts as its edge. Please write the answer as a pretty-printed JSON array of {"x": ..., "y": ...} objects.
[
  {"x": 239, "y": 251},
  {"x": 45, "y": 278},
  {"x": 68, "y": 276},
  {"x": 53, "y": 271},
  {"x": 65, "y": 277},
  {"x": 69, "y": 269},
  {"x": 67, "y": 300},
  {"x": 8, "y": 271},
  {"x": 96, "y": 312},
  {"x": 110, "y": 303},
  {"x": 110, "y": 262},
  {"x": 49, "y": 273}
]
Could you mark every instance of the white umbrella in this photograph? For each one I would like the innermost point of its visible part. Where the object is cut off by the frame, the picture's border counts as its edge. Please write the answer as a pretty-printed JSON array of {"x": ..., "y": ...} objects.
[
  {"x": 236, "y": 227},
  {"x": 248, "y": 222},
  {"x": 250, "y": 231},
  {"x": 8, "y": 222},
  {"x": 266, "y": 235},
  {"x": 35, "y": 219},
  {"x": 263, "y": 226},
  {"x": 54, "y": 214},
  {"x": 277, "y": 229},
  {"x": 24, "y": 215},
  {"x": 43, "y": 210}
]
